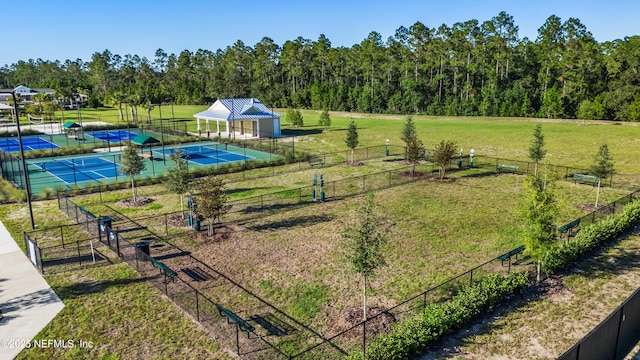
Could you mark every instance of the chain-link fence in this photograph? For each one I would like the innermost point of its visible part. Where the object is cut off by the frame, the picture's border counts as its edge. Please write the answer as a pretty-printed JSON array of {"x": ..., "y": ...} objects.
[{"x": 242, "y": 320}]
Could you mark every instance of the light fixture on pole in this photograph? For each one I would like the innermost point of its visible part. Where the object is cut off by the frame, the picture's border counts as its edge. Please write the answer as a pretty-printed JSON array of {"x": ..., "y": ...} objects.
[
  {"x": 27, "y": 184},
  {"x": 387, "y": 146},
  {"x": 471, "y": 158}
]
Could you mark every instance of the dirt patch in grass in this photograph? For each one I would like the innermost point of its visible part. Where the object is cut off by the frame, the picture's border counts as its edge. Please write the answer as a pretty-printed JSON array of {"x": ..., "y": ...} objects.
[
  {"x": 445, "y": 180},
  {"x": 351, "y": 316},
  {"x": 354, "y": 163},
  {"x": 140, "y": 201},
  {"x": 605, "y": 210},
  {"x": 176, "y": 220},
  {"x": 221, "y": 234}
]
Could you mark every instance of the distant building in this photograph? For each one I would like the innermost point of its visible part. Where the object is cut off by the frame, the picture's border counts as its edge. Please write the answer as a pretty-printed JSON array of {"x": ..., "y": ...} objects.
[
  {"x": 25, "y": 94},
  {"x": 246, "y": 117}
]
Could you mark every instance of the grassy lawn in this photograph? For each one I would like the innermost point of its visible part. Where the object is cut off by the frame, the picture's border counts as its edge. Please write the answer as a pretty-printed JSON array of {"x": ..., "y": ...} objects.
[
  {"x": 293, "y": 257},
  {"x": 550, "y": 325},
  {"x": 123, "y": 317},
  {"x": 569, "y": 142}
]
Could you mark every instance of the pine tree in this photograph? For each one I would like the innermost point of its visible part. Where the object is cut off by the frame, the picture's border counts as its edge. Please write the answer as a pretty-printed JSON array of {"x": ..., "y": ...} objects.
[
  {"x": 352, "y": 138},
  {"x": 602, "y": 167},
  {"x": 325, "y": 119},
  {"x": 539, "y": 212},
  {"x": 536, "y": 149}
]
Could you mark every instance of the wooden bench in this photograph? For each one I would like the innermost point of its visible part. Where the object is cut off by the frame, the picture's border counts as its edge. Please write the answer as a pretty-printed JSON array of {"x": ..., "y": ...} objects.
[
  {"x": 567, "y": 227},
  {"x": 235, "y": 319},
  {"x": 74, "y": 137},
  {"x": 508, "y": 255},
  {"x": 145, "y": 155},
  {"x": 507, "y": 168},
  {"x": 265, "y": 324},
  {"x": 316, "y": 160},
  {"x": 585, "y": 179},
  {"x": 164, "y": 268}
]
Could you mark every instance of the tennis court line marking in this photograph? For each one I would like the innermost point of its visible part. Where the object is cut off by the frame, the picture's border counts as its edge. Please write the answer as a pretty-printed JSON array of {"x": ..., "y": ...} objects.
[{"x": 97, "y": 173}]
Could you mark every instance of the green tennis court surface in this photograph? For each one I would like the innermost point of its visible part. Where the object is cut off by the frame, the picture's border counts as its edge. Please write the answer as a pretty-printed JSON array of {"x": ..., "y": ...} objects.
[{"x": 67, "y": 172}]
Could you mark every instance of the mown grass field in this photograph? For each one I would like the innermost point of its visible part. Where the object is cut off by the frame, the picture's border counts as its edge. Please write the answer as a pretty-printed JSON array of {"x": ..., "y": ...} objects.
[
  {"x": 294, "y": 257},
  {"x": 569, "y": 142}
]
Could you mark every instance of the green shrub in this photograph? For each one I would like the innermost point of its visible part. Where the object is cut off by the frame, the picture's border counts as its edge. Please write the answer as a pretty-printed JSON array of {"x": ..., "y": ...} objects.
[
  {"x": 414, "y": 336},
  {"x": 560, "y": 255}
]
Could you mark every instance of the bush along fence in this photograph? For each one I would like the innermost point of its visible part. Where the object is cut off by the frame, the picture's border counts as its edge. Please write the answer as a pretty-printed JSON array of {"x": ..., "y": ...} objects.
[
  {"x": 562, "y": 254},
  {"x": 614, "y": 338},
  {"x": 356, "y": 338},
  {"x": 414, "y": 336}
]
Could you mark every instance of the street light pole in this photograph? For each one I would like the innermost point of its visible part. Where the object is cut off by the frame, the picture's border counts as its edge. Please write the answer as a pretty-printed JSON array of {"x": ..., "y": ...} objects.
[
  {"x": 173, "y": 117},
  {"x": 24, "y": 164},
  {"x": 164, "y": 157}
]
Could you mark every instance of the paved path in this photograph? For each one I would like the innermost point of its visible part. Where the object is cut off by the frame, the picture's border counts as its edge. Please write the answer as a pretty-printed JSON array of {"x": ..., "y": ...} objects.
[{"x": 26, "y": 300}]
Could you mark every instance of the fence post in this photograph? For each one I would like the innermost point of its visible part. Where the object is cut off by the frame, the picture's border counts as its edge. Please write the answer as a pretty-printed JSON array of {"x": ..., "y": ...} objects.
[
  {"x": 471, "y": 279},
  {"x": 118, "y": 245},
  {"x": 364, "y": 337},
  {"x": 62, "y": 235},
  {"x": 237, "y": 340},
  {"x": 197, "y": 306},
  {"x": 166, "y": 225},
  {"x": 364, "y": 187},
  {"x": 299, "y": 195},
  {"x": 79, "y": 258}
]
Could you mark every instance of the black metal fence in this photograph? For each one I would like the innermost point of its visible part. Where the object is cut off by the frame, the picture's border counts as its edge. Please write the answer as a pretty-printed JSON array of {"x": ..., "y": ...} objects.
[
  {"x": 12, "y": 170},
  {"x": 232, "y": 312},
  {"x": 601, "y": 212},
  {"x": 614, "y": 337}
]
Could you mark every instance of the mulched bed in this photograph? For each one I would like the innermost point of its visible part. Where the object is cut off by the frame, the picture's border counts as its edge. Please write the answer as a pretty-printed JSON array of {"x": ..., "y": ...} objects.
[
  {"x": 352, "y": 316},
  {"x": 139, "y": 202},
  {"x": 355, "y": 163}
]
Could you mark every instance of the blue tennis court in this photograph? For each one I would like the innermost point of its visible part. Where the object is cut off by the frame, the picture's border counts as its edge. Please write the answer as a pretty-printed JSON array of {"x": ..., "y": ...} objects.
[
  {"x": 77, "y": 170},
  {"x": 113, "y": 136},
  {"x": 34, "y": 143},
  {"x": 204, "y": 155}
]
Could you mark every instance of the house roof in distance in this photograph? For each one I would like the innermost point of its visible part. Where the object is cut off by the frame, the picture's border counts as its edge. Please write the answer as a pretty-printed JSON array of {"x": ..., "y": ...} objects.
[{"x": 238, "y": 109}]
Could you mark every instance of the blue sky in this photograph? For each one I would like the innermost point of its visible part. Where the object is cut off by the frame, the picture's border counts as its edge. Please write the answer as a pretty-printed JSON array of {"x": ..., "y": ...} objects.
[{"x": 70, "y": 29}]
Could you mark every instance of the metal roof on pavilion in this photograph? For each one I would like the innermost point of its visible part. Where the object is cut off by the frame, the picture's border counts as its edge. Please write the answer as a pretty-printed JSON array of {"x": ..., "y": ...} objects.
[
  {"x": 144, "y": 140},
  {"x": 237, "y": 110},
  {"x": 70, "y": 125}
]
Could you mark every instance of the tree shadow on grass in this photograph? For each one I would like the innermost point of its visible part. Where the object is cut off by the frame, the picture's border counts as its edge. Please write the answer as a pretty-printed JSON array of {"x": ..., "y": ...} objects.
[
  {"x": 300, "y": 132},
  {"x": 89, "y": 287},
  {"x": 292, "y": 222}
]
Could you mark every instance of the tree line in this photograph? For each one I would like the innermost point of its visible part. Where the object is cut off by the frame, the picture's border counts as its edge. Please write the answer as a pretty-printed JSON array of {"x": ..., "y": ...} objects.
[{"x": 469, "y": 68}]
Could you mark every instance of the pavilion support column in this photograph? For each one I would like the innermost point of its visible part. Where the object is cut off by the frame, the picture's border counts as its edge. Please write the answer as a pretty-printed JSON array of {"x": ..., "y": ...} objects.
[
  {"x": 207, "y": 120},
  {"x": 218, "y": 127},
  {"x": 258, "y": 127},
  {"x": 198, "y": 124}
]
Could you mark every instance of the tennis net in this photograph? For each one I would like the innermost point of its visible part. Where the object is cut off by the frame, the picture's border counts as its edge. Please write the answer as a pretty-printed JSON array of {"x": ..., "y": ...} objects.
[{"x": 75, "y": 164}]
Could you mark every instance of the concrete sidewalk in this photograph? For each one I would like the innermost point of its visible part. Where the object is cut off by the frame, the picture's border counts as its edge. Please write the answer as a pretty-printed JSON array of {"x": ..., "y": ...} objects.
[{"x": 26, "y": 300}]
